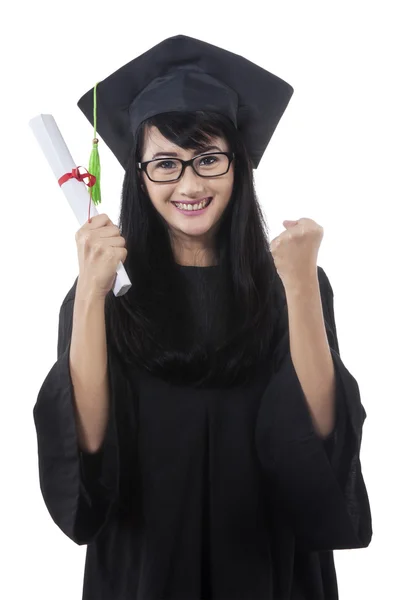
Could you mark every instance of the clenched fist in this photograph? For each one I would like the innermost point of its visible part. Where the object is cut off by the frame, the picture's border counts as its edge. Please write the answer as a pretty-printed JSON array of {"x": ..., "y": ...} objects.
[{"x": 100, "y": 249}]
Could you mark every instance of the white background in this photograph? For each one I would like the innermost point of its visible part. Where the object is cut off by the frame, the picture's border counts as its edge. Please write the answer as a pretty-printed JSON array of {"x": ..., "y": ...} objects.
[{"x": 333, "y": 158}]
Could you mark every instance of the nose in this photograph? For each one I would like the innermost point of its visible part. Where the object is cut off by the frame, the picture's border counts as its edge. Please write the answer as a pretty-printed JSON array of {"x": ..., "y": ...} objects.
[{"x": 190, "y": 184}]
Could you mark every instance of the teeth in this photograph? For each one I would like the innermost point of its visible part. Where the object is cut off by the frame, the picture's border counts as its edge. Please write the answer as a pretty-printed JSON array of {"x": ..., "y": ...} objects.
[{"x": 192, "y": 206}]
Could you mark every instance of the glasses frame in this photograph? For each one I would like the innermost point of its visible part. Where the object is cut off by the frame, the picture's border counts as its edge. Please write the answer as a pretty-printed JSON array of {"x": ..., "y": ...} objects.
[{"x": 186, "y": 163}]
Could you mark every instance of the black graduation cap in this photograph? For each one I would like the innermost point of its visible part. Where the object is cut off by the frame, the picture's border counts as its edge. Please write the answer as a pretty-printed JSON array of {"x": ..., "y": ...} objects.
[{"x": 185, "y": 74}]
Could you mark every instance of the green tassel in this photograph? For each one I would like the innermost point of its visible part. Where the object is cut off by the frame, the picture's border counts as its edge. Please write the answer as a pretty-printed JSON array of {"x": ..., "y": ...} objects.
[
  {"x": 94, "y": 160},
  {"x": 94, "y": 169}
]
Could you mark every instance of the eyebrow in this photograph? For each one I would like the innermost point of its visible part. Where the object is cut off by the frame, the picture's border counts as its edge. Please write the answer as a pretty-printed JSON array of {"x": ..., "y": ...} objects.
[{"x": 207, "y": 149}]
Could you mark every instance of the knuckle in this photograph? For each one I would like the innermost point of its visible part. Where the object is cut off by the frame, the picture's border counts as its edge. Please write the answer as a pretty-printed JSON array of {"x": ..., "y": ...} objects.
[
  {"x": 86, "y": 238},
  {"x": 96, "y": 248}
]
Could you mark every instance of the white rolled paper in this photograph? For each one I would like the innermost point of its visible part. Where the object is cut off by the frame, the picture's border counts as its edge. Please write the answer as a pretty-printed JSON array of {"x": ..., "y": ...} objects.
[{"x": 60, "y": 160}]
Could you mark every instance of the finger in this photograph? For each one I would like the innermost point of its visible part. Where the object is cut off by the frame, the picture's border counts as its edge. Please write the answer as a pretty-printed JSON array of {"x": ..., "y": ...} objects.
[
  {"x": 98, "y": 221},
  {"x": 109, "y": 231}
]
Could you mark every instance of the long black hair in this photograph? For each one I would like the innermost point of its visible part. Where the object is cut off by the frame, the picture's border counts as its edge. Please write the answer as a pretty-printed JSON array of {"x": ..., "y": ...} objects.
[{"x": 150, "y": 327}]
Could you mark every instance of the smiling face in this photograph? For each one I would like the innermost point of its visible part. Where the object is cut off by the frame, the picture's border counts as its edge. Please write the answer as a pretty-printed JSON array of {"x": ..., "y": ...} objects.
[{"x": 192, "y": 232}]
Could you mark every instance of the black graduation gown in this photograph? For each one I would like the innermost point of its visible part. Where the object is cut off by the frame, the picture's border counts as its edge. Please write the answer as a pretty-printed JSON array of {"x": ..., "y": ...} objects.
[{"x": 206, "y": 494}]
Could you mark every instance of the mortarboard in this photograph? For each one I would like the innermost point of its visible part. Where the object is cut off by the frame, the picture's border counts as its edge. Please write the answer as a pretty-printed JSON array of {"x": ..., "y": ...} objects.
[{"x": 185, "y": 74}]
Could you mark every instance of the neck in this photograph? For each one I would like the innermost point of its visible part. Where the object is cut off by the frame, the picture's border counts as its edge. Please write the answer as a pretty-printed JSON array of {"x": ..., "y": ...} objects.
[
  {"x": 194, "y": 252},
  {"x": 195, "y": 261}
]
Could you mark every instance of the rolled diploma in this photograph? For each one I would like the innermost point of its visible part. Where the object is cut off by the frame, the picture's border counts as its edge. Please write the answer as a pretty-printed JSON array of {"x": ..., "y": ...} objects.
[{"x": 60, "y": 160}]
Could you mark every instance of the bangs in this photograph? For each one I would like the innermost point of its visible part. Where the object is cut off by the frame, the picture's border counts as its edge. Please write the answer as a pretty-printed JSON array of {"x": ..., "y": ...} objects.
[{"x": 188, "y": 130}]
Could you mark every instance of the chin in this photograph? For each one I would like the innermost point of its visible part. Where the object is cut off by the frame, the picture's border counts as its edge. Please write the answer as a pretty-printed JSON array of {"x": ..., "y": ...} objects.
[{"x": 195, "y": 231}]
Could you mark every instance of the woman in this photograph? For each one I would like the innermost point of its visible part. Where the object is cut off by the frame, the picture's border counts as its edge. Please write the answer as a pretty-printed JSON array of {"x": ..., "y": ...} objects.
[{"x": 195, "y": 469}]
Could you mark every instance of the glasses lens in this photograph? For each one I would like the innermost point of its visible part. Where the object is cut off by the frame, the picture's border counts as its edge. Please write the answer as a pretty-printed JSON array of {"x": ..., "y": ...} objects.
[
  {"x": 164, "y": 170},
  {"x": 211, "y": 165},
  {"x": 208, "y": 165}
]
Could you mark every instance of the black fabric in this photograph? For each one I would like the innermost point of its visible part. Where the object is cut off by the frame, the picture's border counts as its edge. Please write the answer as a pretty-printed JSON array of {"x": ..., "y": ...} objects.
[
  {"x": 206, "y": 494},
  {"x": 185, "y": 74}
]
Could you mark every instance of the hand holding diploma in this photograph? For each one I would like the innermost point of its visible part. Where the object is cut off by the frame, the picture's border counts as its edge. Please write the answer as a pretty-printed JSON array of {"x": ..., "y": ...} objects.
[
  {"x": 103, "y": 249},
  {"x": 100, "y": 248}
]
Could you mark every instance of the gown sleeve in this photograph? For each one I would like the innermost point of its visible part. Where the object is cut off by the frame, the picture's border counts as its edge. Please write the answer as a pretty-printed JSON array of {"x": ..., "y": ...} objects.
[
  {"x": 318, "y": 482},
  {"x": 79, "y": 488}
]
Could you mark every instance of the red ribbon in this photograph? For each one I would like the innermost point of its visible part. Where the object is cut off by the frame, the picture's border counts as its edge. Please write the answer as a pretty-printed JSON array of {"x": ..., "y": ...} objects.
[{"x": 80, "y": 177}]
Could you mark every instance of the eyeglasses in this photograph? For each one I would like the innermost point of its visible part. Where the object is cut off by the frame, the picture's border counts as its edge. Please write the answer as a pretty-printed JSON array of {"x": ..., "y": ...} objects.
[{"x": 171, "y": 169}]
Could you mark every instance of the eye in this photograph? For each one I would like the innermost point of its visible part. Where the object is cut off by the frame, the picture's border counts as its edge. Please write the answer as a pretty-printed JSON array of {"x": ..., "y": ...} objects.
[
  {"x": 209, "y": 160},
  {"x": 166, "y": 164}
]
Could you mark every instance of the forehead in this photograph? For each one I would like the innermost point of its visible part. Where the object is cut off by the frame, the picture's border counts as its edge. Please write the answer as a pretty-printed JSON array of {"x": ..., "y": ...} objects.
[{"x": 154, "y": 142}]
